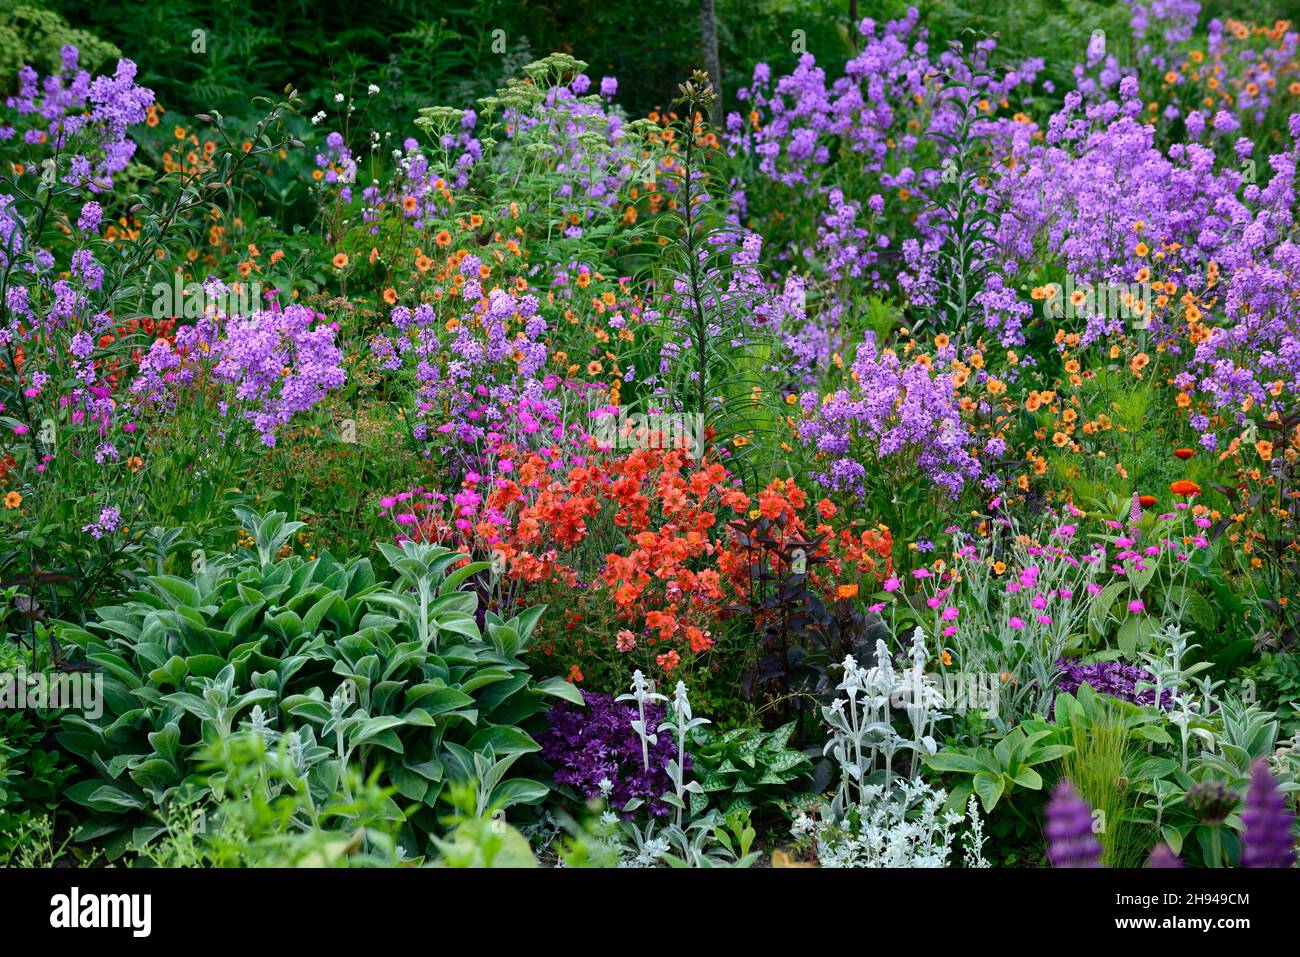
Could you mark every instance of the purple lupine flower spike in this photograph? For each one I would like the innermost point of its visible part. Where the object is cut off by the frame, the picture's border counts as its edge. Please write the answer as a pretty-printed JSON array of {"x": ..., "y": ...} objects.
[
  {"x": 1268, "y": 839},
  {"x": 1070, "y": 841}
]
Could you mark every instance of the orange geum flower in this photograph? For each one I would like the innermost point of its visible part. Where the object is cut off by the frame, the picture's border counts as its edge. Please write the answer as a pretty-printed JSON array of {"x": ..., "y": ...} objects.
[{"x": 1185, "y": 487}]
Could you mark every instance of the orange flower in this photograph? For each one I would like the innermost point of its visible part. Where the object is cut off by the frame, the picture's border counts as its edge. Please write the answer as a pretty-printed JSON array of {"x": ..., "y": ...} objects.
[
  {"x": 1184, "y": 487},
  {"x": 846, "y": 591},
  {"x": 13, "y": 500},
  {"x": 700, "y": 640},
  {"x": 1184, "y": 454},
  {"x": 1146, "y": 501},
  {"x": 575, "y": 674},
  {"x": 443, "y": 238},
  {"x": 669, "y": 662},
  {"x": 340, "y": 260}
]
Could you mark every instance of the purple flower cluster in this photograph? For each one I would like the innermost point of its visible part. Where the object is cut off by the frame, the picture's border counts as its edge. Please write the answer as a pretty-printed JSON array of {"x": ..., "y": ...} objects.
[
  {"x": 1115, "y": 678},
  {"x": 1268, "y": 838},
  {"x": 1070, "y": 840},
  {"x": 470, "y": 380},
  {"x": 272, "y": 365},
  {"x": 110, "y": 520},
  {"x": 476, "y": 357},
  {"x": 799, "y": 125},
  {"x": 81, "y": 119},
  {"x": 597, "y": 743},
  {"x": 582, "y": 143},
  {"x": 877, "y": 125},
  {"x": 1105, "y": 189},
  {"x": 891, "y": 409}
]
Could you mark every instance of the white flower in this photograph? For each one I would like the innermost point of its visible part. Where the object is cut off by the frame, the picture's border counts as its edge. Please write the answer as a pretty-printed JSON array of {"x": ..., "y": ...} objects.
[
  {"x": 372, "y": 89},
  {"x": 338, "y": 97},
  {"x": 318, "y": 119}
]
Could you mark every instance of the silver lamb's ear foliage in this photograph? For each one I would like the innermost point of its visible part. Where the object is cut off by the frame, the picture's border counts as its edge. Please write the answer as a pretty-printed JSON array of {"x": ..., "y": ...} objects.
[
  {"x": 641, "y": 693},
  {"x": 680, "y": 725}
]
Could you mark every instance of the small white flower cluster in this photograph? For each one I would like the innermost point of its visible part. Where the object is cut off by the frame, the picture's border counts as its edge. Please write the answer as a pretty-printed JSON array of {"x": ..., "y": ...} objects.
[
  {"x": 878, "y": 819},
  {"x": 649, "y": 853},
  {"x": 904, "y": 827},
  {"x": 861, "y": 722}
]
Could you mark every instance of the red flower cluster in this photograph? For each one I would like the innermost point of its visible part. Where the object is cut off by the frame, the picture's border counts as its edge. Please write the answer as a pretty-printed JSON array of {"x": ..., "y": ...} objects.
[{"x": 675, "y": 562}]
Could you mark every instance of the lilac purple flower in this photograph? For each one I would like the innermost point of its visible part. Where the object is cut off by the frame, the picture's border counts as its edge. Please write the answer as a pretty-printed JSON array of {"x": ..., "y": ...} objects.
[{"x": 1070, "y": 839}]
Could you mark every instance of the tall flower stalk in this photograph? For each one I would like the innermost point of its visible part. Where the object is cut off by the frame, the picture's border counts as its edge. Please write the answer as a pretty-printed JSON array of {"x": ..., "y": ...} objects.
[
  {"x": 681, "y": 723},
  {"x": 1070, "y": 840},
  {"x": 641, "y": 693},
  {"x": 1269, "y": 836}
]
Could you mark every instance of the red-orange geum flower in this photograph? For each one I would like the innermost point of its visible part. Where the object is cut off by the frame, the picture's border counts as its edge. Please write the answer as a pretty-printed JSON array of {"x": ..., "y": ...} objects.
[
  {"x": 1184, "y": 454},
  {"x": 1185, "y": 487},
  {"x": 680, "y": 562}
]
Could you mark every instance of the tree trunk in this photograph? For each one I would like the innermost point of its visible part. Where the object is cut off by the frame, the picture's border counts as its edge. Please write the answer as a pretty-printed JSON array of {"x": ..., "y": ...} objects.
[{"x": 712, "y": 65}]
